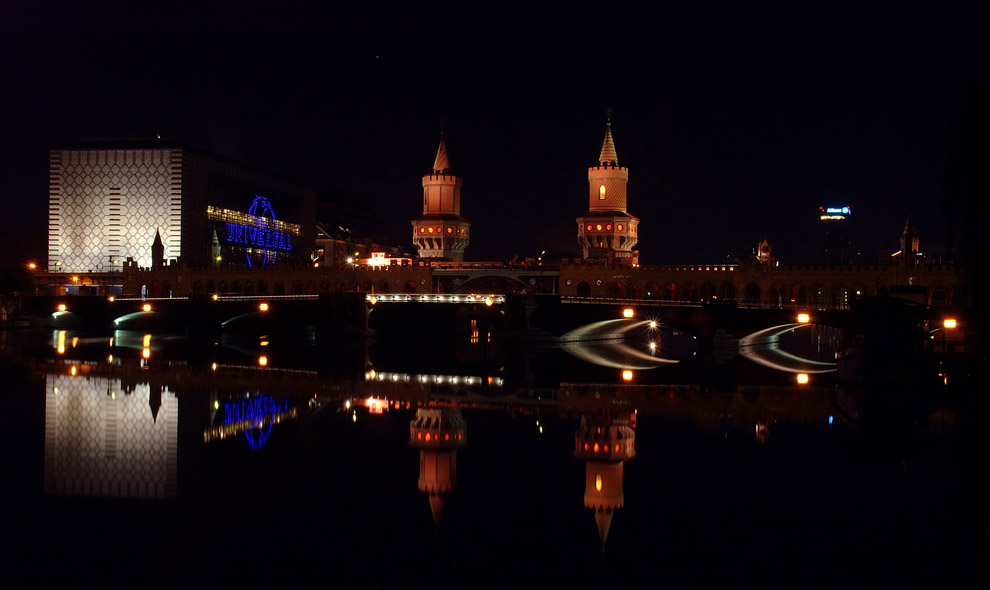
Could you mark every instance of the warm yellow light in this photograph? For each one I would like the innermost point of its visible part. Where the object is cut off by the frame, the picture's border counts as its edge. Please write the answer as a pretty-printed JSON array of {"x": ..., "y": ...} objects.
[
  {"x": 627, "y": 375},
  {"x": 802, "y": 378},
  {"x": 61, "y": 307},
  {"x": 803, "y": 318},
  {"x": 146, "y": 353},
  {"x": 488, "y": 301},
  {"x": 216, "y": 405},
  {"x": 628, "y": 312},
  {"x": 72, "y": 370},
  {"x": 216, "y": 297},
  {"x": 598, "y": 482},
  {"x": 110, "y": 358},
  {"x": 75, "y": 341},
  {"x": 263, "y": 343},
  {"x": 263, "y": 361},
  {"x": 949, "y": 323},
  {"x": 146, "y": 307},
  {"x": 32, "y": 265},
  {"x": 263, "y": 307},
  {"x": 110, "y": 298},
  {"x": 374, "y": 300},
  {"x": 213, "y": 367},
  {"x": 146, "y": 340},
  {"x": 601, "y": 191},
  {"x": 75, "y": 279}
]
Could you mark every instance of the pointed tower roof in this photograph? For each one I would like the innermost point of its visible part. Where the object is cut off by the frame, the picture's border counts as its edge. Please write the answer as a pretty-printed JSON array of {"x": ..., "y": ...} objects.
[
  {"x": 909, "y": 228},
  {"x": 442, "y": 162},
  {"x": 608, "y": 155},
  {"x": 604, "y": 520},
  {"x": 436, "y": 506},
  {"x": 158, "y": 239}
]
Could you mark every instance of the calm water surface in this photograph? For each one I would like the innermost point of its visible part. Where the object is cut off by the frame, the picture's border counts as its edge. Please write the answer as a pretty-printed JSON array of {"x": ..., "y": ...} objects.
[{"x": 154, "y": 460}]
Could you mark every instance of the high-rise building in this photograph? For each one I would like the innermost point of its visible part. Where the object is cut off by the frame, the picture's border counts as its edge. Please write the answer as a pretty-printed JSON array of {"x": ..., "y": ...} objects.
[
  {"x": 109, "y": 200},
  {"x": 836, "y": 244},
  {"x": 441, "y": 233},
  {"x": 607, "y": 231}
]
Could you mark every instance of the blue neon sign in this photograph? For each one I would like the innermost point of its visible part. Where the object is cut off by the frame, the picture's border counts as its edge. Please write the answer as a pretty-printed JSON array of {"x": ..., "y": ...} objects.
[{"x": 262, "y": 234}]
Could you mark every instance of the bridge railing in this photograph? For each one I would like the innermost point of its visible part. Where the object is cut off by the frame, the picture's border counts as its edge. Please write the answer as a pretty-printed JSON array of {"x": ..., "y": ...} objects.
[{"x": 739, "y": 303}]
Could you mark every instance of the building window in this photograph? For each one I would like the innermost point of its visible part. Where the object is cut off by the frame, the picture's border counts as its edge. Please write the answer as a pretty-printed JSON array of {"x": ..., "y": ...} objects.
[
  {"x": 450, "y": 230},
  {"x": 598, "y": 227},
  {"x": 601, "y": 193},
  {"x": 609, "y": 227},
  {"x": 422, "y": 230},
  {"x": 619, "y": 227}
]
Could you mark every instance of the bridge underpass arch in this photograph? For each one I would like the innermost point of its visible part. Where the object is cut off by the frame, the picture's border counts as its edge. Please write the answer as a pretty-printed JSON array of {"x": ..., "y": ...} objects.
[
  {"x": 634, "y": 291},
  {"x": 936, "y": 295},
  {"x": 751, "y": 293},
  {"x": 583, "y": 289},
  {"x": 958, "y": 296},
  {"x": 689, "y": 293},
  {"x": 615, "y": 290}
]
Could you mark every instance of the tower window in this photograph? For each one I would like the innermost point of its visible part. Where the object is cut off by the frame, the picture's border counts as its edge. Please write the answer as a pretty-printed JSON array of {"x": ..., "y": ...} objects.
[
  {"x": 601, "y": 192},
  {"x": 619, "y": 227},
  {"x": 430, "y": 230},
  {"x": 609, "y": 227},
  {"x": 450, "y": 230},
  {"x": 589, "y": 227},
  {"x": 422, "y": 230},
  {"x": 598, "y": 227}
]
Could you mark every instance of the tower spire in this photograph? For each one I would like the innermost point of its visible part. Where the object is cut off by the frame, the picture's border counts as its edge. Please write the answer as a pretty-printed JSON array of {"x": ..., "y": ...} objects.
[
  {"x": 608, "y": 156},
  {"x": 442, "y": 163}
]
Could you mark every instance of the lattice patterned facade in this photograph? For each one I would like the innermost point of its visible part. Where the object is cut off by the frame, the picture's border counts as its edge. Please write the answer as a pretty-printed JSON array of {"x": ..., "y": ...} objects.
[
  {"x": 101, "y": 440},
  {"x": 110, "y": 203}
]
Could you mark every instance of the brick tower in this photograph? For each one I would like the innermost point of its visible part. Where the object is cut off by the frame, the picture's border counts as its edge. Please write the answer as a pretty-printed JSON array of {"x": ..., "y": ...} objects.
[
  {"x": 441, "y": 233},
  {"x": 607, "y": 232}
]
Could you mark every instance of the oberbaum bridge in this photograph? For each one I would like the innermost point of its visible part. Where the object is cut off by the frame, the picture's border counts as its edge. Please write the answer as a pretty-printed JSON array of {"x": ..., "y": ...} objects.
[{"x": 113, "y": 199}]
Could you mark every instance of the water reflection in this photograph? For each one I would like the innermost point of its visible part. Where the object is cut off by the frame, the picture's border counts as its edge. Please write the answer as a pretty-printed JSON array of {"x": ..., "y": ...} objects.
[
  {"x": 438, "y": 433},
  {"x": 107, "y": 437},
  {"x": 604, "y": 443}
]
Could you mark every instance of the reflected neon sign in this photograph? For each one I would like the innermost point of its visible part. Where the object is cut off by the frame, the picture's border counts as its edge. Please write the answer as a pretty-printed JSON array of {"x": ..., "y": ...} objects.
[{"x": 257, "y": 414}]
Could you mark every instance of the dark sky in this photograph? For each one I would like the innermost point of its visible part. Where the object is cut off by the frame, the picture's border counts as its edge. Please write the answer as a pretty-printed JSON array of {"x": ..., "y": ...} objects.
[{"x": 735, "y": 124}]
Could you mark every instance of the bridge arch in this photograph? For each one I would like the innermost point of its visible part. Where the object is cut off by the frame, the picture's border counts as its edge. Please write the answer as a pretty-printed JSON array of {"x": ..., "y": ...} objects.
[
  {"x": 223, "y": 289},
  {"x": 751, "y": 293},
  {"x": 820, "y": 296},
  {"x": 689, "y": 293},
  {"x": 279, "y": 288},
  {"x": 727, "y": 291},
  {"x": 262, "y": 288},
  {"x": 492, "y": 284},
  {"x": 799, "y": 294},
  {"x": 958, "y": 296},
  {"x": 635, "y": 291},
  {"x": 235, "y": 288},
  {"x": 936, "y": 296},
  {"x": 841, "y": 296},
  {"x": 249, "y": 288},
  {"x": 383, "y": 286},
  {"x": 615, "y": 290},
  {"x": 211, "y": 287},
  {"x": 410, "y": 286},
  {"x": 583, "y": 289}
]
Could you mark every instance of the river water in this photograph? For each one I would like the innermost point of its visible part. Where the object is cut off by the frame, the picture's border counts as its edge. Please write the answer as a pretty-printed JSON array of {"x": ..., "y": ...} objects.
[{"x": 147, "y": 460}]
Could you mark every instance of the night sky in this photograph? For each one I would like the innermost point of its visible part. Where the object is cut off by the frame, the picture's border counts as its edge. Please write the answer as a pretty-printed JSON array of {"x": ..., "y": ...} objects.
[{"x": 735, "y": 125}]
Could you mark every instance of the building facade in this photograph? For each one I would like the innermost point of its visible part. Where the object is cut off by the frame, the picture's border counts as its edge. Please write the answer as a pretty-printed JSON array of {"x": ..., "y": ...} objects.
[{"x": 107, "y": 202}]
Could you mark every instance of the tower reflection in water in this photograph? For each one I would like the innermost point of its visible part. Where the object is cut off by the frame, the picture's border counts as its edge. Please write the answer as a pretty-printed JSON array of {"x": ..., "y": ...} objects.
[
  {"x": 104, "y": 438},
  {"x": 438, "y": 433},
  {"x": 604, "y": 443}
]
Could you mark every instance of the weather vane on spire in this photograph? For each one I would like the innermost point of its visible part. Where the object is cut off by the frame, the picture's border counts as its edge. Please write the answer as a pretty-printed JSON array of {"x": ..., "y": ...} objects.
[{"x": 608, "y": 116}]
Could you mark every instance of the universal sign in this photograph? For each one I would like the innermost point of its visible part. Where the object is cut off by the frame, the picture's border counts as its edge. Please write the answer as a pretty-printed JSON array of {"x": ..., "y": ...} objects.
[{"x": 260, "y": 232}]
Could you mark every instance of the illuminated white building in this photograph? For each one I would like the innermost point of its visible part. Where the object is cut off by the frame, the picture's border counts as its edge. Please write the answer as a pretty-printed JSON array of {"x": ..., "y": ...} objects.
[{"x": 107, "y": 201}]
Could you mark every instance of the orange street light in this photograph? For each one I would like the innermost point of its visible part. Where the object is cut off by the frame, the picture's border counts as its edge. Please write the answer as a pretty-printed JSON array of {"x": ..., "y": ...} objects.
[
  {"x": 949, "y": 323},
  {"x": 32, "y": 265},
  {"x": 628, "y": 312},
  {"x": 263, "y": 307},
  {"x": 803, "y": 318},
  {"x": 802, "y": 378}
]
